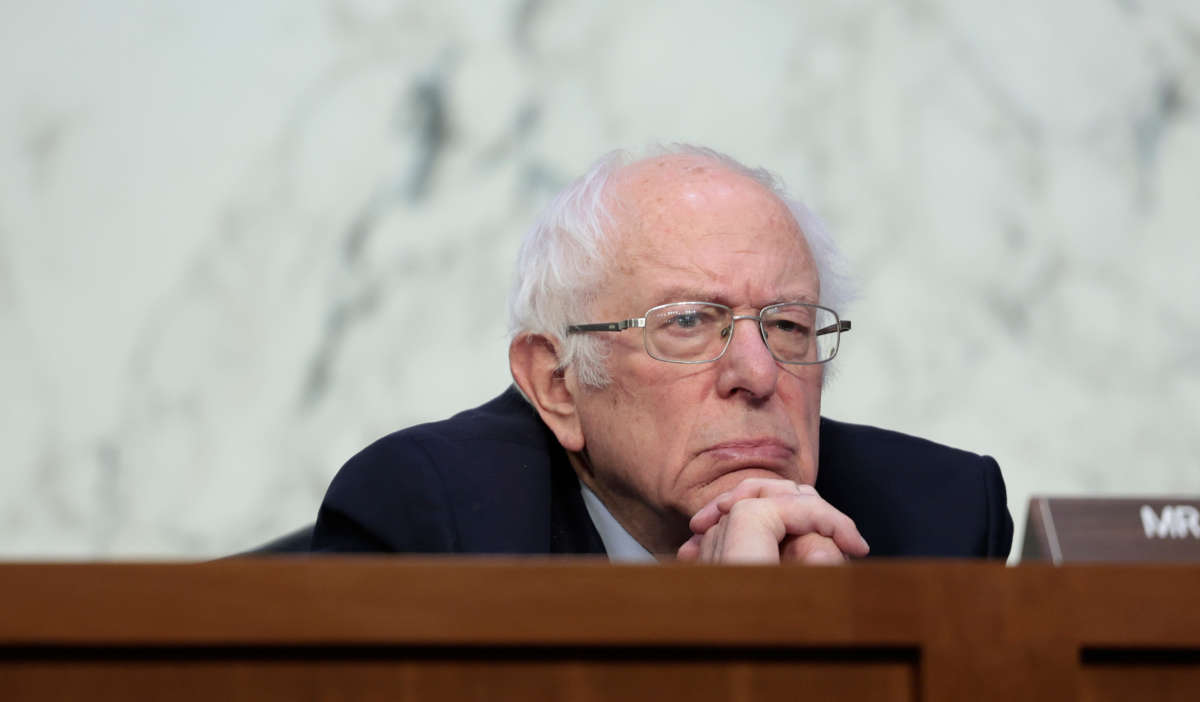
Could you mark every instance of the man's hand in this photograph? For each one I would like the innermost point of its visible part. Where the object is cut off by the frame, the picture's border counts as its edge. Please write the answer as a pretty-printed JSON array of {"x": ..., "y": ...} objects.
[{"x": 768, "y": 521}]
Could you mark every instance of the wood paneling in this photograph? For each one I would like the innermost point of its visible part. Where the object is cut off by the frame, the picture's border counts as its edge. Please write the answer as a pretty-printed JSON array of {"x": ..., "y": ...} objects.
[
  {"x": 353, "y": 628},
  {"x": 582, "y": 679}
]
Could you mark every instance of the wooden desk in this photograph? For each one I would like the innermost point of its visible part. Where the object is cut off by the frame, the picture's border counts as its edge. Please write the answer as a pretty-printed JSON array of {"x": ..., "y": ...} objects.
[{"x": 401, "y": 629}]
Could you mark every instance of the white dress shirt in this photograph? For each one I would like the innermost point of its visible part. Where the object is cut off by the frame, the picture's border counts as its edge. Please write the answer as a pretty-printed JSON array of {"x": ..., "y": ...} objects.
[{"x": 621, "y": 547}]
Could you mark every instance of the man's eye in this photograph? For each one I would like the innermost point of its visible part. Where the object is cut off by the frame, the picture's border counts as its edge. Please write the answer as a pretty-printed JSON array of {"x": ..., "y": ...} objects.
[
  {"x": 690, "y": 320},
  {"x": 790, "y": 327}
]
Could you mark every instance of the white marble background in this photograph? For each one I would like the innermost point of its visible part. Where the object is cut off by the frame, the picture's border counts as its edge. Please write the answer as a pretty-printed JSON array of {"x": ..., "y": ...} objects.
[{"x": 239, "y": 240}]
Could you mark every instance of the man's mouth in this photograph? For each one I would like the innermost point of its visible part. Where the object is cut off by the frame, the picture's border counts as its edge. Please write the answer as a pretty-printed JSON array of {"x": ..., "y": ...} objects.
[{"x": 767, "y": 452}]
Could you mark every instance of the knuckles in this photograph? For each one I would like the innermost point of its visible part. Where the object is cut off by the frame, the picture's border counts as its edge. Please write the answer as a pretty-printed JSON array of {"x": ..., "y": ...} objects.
[
  {"x": 755, "y": 508},
  {"x": 766, "y": 507}
]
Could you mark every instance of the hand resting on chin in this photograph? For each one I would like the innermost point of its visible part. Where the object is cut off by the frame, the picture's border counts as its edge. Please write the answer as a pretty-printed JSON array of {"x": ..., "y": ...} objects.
[{"x": 771, "y": 521}]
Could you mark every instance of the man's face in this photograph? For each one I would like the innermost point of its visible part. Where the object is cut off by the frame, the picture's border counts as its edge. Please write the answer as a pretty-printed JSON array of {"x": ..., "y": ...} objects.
[{"x": 664, "y": 438}]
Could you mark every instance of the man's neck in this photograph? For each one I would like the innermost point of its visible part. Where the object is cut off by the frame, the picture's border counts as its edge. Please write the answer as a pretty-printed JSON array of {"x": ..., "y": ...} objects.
[{"x": 660, "y": 534}]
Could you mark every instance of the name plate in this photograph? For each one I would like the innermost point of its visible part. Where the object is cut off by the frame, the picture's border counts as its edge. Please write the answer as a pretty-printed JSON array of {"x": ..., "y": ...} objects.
[{"x": 1127, "y": 529}]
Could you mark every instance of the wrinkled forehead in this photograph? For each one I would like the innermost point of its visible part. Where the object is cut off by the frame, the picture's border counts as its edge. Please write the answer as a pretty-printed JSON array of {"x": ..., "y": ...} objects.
[{"x": 688, "y": 210}]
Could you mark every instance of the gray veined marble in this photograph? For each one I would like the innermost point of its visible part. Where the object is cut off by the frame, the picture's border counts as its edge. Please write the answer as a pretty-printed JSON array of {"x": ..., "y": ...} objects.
[{"x": 237, "y": 242}]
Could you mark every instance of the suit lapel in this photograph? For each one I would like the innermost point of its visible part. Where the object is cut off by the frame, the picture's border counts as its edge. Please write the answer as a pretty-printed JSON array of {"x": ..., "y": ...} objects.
[{"x": 571, "y": 529}]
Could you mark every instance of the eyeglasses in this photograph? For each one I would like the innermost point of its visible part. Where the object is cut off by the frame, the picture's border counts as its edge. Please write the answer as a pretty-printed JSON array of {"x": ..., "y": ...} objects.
[{"x": 700, "y": 332}]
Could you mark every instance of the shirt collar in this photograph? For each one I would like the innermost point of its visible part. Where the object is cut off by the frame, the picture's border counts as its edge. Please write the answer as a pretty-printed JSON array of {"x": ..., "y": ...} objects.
[{"x": 620, "y": 546}]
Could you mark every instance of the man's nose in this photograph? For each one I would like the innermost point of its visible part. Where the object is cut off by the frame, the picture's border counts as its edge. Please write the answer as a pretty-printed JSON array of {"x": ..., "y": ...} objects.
[{"x": 747, "y": 365}]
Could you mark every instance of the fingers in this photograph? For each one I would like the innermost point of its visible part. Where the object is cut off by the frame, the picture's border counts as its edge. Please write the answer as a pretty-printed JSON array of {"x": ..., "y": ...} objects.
[
  {"x": 708, "y": 515},
  {"x": 749, "y": 534},
  {"x": 701, "y": 547},
  {"x": 801, "y": 511},
  {"x": 712, "y": 544},
  {"x": 690, "y": 550},
  {"x": 736, "y": 540},
  {"x": 814, "y": 515},
  {"x": 765, "y": 520},
  {"x": 811, "y": 549},
  {"x": 763, "y": 487}
]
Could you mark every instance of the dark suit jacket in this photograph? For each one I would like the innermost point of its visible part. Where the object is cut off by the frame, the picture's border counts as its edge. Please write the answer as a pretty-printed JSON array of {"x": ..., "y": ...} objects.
[{"x": 494, "y": 480}]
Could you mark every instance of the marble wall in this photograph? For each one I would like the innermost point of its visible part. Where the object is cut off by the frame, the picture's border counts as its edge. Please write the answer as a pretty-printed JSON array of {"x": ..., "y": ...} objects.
[{"x": 238, "y": 241}]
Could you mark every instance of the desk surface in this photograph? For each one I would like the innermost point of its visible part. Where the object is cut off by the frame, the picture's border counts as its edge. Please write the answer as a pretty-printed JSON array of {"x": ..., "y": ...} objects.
[{"x": 919, "y": 630}]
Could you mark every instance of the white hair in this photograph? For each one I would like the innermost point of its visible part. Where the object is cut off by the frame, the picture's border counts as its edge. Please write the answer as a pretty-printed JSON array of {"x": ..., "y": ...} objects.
[{"x": 566, "y": 255}]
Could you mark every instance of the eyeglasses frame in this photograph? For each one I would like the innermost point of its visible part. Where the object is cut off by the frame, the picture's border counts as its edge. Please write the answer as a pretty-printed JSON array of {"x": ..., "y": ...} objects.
[{"x": 841, "y": 325}]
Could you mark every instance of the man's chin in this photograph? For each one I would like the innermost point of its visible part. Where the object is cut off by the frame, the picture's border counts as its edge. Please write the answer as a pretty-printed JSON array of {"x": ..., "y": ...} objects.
[{"x": 730, "y": 479}]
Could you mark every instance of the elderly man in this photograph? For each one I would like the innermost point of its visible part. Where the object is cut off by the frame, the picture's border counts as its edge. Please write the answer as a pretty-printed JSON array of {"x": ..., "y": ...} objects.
[{"x": 672, "y": 320}]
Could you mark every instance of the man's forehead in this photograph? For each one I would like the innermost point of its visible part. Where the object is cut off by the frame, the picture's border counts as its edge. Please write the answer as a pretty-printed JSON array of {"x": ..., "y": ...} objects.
[
  {"x": 692, "y": 228},
  {"x": 664, "y": 292},
  {"x": 649, "y": 180},
  {"x": 662, "y": 195}
]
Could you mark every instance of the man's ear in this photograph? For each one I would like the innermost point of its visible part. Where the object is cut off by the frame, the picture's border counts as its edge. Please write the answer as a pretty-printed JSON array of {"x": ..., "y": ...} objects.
[{"x": 533, "y": 360}]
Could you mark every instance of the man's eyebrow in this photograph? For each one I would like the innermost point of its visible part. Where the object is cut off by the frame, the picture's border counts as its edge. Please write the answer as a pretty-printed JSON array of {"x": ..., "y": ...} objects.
[{"x": 689, "y": 294}]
